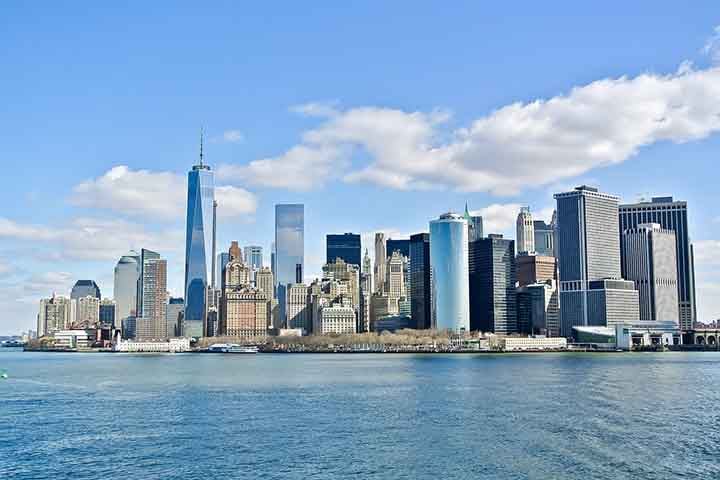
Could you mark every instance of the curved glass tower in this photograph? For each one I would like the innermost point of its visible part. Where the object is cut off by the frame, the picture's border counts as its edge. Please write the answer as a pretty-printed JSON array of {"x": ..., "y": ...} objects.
[
  {"x": 449, "y": 273},
  {"x": 198, "y": 247}
]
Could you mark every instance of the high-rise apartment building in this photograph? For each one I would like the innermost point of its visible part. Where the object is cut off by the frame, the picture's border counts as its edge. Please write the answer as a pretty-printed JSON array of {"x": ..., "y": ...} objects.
[
  {"x": 152, "y": 323},
  {"x": 145, "y": 255},
  {"x": 380, "y": 260},
  {"x": 525, "y": 231},
  {"x": 85, "y": 288},
  {"x": 199, "y": 246},
  {"x": 492, "y": 285},
  {"x": 649, "y": 261},
  {"x": 535, "y": 269},
  {"x": 289, "y": 251},
  {"x": 55, "y": 314},
  {"x": 420, "y": 301},
  {"x": 127, "y": 273},
  {"x": 671, "y": 215},
  {"x": 449, "y": 273},
  {"x": 345, "y": 246},
  {"x": 588, "y": 250}
]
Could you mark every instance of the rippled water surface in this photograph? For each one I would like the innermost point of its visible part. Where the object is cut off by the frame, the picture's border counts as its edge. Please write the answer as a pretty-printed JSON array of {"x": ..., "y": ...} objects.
[{"x": 577, "y": 416}]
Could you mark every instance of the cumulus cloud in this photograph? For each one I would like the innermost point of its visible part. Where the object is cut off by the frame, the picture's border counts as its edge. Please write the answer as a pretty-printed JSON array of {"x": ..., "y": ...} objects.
[
  {"x": 499, "y": 217},
  {"x": 595, "y": 125},
  {"x": 706, "y": 253},
  {"x": 91, "y": 239},
  {"x": 156, "y": 195}
]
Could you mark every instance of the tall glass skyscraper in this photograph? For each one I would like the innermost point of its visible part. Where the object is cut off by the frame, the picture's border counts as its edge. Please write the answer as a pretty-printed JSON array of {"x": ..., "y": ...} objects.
[
  {"x": 254, "y": 256},
  {"x": 198, "y": 247},
  {"x": 345, "y": 246},
  {"x": 127, "y": 272},
  {"x": 449, "y": 273},
  {"x": 85, "y": 288},
  {"x": 420, "y": 280},
  {"x": 289, "y": 250}
]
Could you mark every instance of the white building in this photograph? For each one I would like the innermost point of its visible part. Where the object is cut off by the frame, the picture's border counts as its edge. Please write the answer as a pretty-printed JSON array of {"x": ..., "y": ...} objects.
[
  {"x": 525, "y": 231},
  {"x": 515, "y": 344},
  {"x": 75, "y": 338},
  {"x": 336, "y": 319},
  {"x": 173, "y": 345}
]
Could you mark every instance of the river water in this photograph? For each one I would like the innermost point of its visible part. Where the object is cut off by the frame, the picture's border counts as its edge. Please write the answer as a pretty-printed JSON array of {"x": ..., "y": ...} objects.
[{"x": 512, "y": 416}]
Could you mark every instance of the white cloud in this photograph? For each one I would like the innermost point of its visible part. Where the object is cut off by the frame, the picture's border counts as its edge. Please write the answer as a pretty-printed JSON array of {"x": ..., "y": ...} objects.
[
  {"x": 233, "y": 136},
  {"x": 712, "y": 46},
  {"x": 156, "y": 195},
  {"x": 706, "y": 253},
  {"x": 499, "y": 217},
  {"x": 91, "y": 239},
  {"x": 515, "y": 147}
]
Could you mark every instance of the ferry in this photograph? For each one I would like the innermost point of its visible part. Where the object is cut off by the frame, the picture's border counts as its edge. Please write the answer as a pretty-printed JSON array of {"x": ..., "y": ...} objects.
[{"x": 231, "y": 348}]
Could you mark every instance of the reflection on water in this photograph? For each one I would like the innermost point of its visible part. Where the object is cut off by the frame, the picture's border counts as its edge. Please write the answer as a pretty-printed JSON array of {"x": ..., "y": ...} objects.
[{"x": 373, "y": 416}]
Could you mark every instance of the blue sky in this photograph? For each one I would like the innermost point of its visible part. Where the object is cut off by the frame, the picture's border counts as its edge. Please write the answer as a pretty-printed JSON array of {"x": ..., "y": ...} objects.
[{"x": 376, "y": 115}]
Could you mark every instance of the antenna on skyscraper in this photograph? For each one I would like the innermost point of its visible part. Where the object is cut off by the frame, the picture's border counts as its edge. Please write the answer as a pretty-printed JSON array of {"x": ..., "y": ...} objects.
[{"x": 201, "y": 146}]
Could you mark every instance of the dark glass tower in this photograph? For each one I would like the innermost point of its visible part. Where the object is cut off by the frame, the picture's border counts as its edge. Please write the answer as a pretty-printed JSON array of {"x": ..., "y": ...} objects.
[
  {"x": 402, "y": 246},
  {"x": 85, "y": 288},
  {"x": 198, "y": 247},
  {"x": 420, "y": 300},
  {"x": 671, "y": 215},
  {"x": 345, "y": 246},
  {"x": 493, "y": 306}
]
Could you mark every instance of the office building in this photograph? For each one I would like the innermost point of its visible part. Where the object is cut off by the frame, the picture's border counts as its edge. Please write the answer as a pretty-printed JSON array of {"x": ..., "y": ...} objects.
[
  {"x": 492, "y": 285},
  {"x": 174, "y": 316},
  {"x": 54, "y": 315},
  {"x": 246, "y": 313},
  {"x": 254, "y": 257},
  {"x": 671, "y": 215},
  {"x": 449, "y": 273},
  {"x": 381, "y": 306},
  {"x": 337, "y": 319},
  {"x": 223, "y": 258},
  {"x": 298, "y": 315},
  {"x": 348, "y": 273},
  {"x": 107, "y": 314},
  {"x": 396, "y": 273},
  {"x": 86, "y": 311},
  {"x": 401, "y": 245},
  {"x": 345, "y": 246},
  {"x": 198, "y": 246},
  {"x": 264, "y": 281},
  {"x": 420, "y": 301},
  {"x": 366, "y": 290},
  {"x": 126, "y": 275},
  {"x": 544, "y": 237},
  {"x": 538, "y": 307},
  {"x": 649, "y": 261},
  {"x": 611, "y": 302},
  {"x": 380, "y": 260},
  {"x": 85, "y": 288},
  {"x": 289, "y": 251},
  {"x": 475, "y": 225},
  {"x": 525, "y": 231},
  {"x": 152, "y": 323},
  {"x": 588, "y": 250},
  {"x": 532, "y": 268},
  {"x": 145, "y": 256}
]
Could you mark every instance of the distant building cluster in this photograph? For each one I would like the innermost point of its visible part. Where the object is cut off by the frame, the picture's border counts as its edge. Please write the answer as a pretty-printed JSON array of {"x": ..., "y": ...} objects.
[{"x": 596, "y": 264}]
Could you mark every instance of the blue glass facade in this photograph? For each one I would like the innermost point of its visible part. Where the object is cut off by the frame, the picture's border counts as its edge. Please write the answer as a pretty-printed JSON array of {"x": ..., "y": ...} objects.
[
  {"x": 198, "y": 247},
  {"x": 345, "y": 246},
  {"x": 289, "y": 249},
  {"x": 449, "y": 273},
  {"x": 402, "y": 246}
]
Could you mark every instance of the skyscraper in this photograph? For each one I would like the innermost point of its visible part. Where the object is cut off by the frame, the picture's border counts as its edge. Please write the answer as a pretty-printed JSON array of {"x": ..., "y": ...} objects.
[
  {"x": 535, "y": 269},
  {"x": 289, "y": 250},
  {"x": 85, "y": 288},
  {"x": 492, "y": 285},
  {"x": 396, "y": 269},
  {"x": 450, "y": 279},
  {"x": 145, "y": 255},
  {"x": 173, "y": 315},
  {"x": 588, "y": 248},
  {"x": 380, "y": 259},
  {"x": 198, "y": 246},
  {"x": 254, "y": 257},
  {"x": 525, "y": 231},
  {"x": 222, "y": 260},
  {"x": 345, "y": 246},
  {"x": 544, "y": 238},
  {"x": 475, "y": 225},
  {"x": 298, "y": 314},
  {"x": 127, "y": 272},
  {"x": 649, "y": 261},
  {"x": 152, "y": 323},
  {"x": 401, "y": 245},
  {"x": 420, "y": 301},
  {"x": 670, "y": 215},
  {"x": 108, "y": 313}
]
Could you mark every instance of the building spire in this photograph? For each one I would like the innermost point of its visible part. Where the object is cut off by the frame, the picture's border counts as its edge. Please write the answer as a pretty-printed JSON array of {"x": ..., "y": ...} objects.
[
  {"x": 467, "y": 212},
  {"x": 201, "y": 146}
]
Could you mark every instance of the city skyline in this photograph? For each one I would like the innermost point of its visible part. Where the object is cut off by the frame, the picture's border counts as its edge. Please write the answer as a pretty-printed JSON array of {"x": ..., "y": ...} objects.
[{"x": 94, "y": 193}]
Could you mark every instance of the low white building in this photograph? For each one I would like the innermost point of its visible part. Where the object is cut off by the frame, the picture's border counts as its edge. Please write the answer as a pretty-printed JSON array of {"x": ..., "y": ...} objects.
[
  {"x": 539, "y": 343},
  {"x": 73, "y": 339},
  {"x": 173, "y": 345},
  {"x": 336, "y": 319}
]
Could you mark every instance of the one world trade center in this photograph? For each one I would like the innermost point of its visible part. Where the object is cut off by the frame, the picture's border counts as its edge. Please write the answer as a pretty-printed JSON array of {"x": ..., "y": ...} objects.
[{"x": 198, "y": 247}]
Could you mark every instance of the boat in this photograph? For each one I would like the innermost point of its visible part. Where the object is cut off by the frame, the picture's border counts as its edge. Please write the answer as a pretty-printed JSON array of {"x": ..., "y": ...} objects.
[
  {"x": 231, "y": 348},
  {"x": 12, "y": 344},
  {"x": 3, "y": 374}
]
